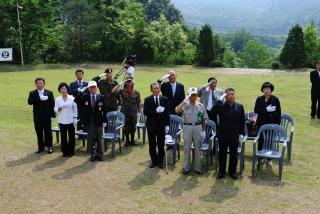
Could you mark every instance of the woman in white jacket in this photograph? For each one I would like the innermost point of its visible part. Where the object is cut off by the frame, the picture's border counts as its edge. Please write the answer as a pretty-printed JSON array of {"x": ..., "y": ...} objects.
[{"x": 66, "y": 108}]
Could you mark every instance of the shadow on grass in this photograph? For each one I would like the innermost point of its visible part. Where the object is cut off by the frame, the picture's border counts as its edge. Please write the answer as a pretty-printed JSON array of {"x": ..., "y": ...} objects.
[
  {"x": 50, "y": 164},
  {"x": 25, "y": 160},
  {"x": 221, "y": 190},
  {"x": 267, "y": 176},
  {"x": 145, "y": 178},
  {"x": 183, "y": 183},
  {"x": 77, "y": 170}
]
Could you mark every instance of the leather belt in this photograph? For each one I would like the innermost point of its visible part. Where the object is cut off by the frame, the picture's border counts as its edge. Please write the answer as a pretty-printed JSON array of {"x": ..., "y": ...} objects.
[{"x": 192, "y": 124}]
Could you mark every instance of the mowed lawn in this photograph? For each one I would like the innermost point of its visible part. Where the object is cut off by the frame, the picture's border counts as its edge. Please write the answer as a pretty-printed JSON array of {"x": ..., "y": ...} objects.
[{"x": 32, "y": 183}]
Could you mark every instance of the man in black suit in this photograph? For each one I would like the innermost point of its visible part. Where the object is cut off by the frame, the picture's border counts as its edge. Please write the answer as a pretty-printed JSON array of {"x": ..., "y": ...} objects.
[
  {"x": 75, "y": 90},
  {"x": 43, "y": 112},
  {"x": 315, "y": 91},
  {"x": 94, "y": 119},
  {"x": 156, "y": 110},
  {"x": 230, "y": 131},
  {"x": 174, "y": 91}
]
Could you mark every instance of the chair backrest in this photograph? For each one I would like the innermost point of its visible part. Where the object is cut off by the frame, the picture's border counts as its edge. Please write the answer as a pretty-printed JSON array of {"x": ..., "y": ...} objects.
[
  {"x": 115, "y": 119},
  {"x": 250, "y": 115},
  {"x": 142, "y": 118},
  {"x": 176, "y": 124},
  {"x": 272, "y": 133},
  {"x": 286, "y": 121},
  {"x": 211, "y": 128}
]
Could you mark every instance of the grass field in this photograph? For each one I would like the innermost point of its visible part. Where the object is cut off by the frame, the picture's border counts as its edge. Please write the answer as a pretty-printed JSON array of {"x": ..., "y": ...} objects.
[{"x": 31, "y": 183}]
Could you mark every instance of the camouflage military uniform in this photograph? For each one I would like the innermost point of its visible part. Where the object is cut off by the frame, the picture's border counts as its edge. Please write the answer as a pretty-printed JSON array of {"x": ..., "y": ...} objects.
[
  {"x": 130, "y": 104},
  {"x": 111, "y": 101}
]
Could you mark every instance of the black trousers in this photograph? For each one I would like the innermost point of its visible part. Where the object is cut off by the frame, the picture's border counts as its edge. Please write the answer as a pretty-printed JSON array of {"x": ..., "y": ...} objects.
[
  {"x": 212, "y": 116},
  {"x": 156, "y": 139},
  {"x": 130, "y": 124},
  {"x": 94, "y": 139},
  {"x": 44, "y": 134},
  {"x": 232, "y": 142},
  {"x": 315, "y": 99},
  {"x": 67, "y": 131}
]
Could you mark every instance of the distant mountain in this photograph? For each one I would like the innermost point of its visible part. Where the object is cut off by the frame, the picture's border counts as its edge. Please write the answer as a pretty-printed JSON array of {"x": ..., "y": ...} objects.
[{"x": 261, "y": 17}]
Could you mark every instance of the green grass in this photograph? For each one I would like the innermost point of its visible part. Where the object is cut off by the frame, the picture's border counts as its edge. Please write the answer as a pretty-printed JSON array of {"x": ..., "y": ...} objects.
[{"x": 32, "y": 183}]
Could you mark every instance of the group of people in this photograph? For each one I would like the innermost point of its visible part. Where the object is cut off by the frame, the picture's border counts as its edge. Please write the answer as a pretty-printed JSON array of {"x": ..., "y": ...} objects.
[{"x": 82, "y": 107}]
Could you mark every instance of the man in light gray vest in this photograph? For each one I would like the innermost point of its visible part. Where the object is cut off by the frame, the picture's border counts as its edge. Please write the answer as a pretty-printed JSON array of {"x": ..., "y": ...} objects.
[{"x": 209, "y": 95}]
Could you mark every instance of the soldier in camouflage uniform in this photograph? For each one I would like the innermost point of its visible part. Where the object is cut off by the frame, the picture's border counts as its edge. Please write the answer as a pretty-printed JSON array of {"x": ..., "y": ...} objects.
[
  {"x": 111, "y": 100},
  {"x": 130, "y": 107}
]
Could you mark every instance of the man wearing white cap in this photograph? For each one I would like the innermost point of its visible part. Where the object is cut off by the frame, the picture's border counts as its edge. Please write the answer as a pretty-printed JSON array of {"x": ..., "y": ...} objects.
[
  {"x": 194, "y": 115},
  {"x": 94, "y": 118}
]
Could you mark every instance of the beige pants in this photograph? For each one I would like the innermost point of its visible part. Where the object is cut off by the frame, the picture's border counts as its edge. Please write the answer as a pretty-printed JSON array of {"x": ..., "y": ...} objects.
[{"x": 192, "y": 134}]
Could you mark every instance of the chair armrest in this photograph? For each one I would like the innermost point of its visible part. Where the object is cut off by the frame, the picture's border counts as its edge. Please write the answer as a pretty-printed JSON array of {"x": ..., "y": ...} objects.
[
  {"x": 292, "y": 129},
  {"x": 118, "y": 127},
  {"x": 284, "y": 145},
  {"x": 179, "y": 132},
  {"x": 254, "y": 145},
  {"x": 213, "y": 136}
]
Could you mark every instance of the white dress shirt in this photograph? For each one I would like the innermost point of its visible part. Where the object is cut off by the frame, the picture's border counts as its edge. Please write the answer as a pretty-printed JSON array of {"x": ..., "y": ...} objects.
[
  {"x": 69, "y": 110},
  {"x": 173, "y": 87},
  {"x": 41, "y": 92}
]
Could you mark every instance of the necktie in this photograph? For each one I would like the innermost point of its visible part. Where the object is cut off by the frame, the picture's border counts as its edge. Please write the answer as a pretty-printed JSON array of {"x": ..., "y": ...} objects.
[
  {"x": 157, "y": 101},
  {"x": 173, "y": 89},
  {"x": 93, "y": 100},
  {"x": 213, "y": 98}
]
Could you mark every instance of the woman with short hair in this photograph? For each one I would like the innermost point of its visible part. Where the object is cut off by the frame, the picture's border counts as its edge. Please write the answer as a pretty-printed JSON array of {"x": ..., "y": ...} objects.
[{"x": 66, "y": 107}]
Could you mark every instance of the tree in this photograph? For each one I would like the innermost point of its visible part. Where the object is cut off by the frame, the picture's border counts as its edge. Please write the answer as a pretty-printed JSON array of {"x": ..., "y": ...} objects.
[
  {"x": 256, "y": 55},
  {"x": 205, "y": 47},
  {"x": 154, "y": 9},
  {"x": 293, "y": 53},
  {"x": 239, "y": 39},
  {"x": 312, "y": 44},
  {"x": 230, "y": 58}
]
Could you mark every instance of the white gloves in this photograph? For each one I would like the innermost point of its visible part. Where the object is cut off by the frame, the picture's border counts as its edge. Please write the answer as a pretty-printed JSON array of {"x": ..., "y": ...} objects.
[
  {"x": 166, "y": 129},
  {"x": 43, "y": 98},
  {"x": 52, "y": 118},
  {"x": 122, "y": 83},
  {"x": 165, "y": 77},
  {"x": 240, "y": 137},
  {"x": 222, "y": 97},
  {"x": 83, "y": 89},
  {"x": 104, "y": 125},
  {"x": 186, "y": 99},
  {"x": 271, "y": 108},
  {"x": 102, "y": 75},
  {"x": 75, "y": 121},
  {"x": 160, "y": 109},
  {"x": 203, "y": 135}
]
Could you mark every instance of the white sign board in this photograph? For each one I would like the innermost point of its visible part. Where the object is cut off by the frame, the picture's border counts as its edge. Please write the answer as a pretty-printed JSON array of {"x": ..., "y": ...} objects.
[{"x": 5, "y": 54}]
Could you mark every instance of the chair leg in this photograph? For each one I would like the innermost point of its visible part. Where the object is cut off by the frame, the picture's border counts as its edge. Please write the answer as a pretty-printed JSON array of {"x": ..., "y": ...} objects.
[
  {"x": 83, "y": 141},
  {"x": 241, "y": 163},
  {"x": 138, "y": 131},
  {"x": 289, "y": 151},
  {"x": 120, "y": 149},
  {"x": 178, "y": 148},
  {"x": 174, "y": 151},
  {"x": 253, "y": 165},
  {"x": 57, "y": 137},
  {"x": 113, "y": 147},
  {"x": 166, "y": 154},
  {"x": 280, "y": 169}
]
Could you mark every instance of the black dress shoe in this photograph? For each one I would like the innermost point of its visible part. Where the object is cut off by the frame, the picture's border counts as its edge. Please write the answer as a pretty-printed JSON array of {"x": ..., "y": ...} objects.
[
  {"x": 92, "y": 158},
  {"x": 184, "y": 172},
  {"x": 234, "y": 176},
  {"x": 161, "y": 166},
  {"x": 126, "y": 144},
  {"x": 50, "y": 150},
  {"x": 152, "y": 165},
  {"x": 221, "y": 176},
  {"x": 133, "y": 143},
  {"x": 39, "y": 151},
  {"x": 199, "y": 173},
  {"x": 100, "y": 158},
  {"x": 70, "y": 155},
  {"x": 312, "y": 117}
]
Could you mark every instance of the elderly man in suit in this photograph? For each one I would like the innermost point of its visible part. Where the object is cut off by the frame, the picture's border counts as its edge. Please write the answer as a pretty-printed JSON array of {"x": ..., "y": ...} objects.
[
  {"x": 209, "y": 95},
  {"x": 315, "y": 91},
  {"x": 75, "y": 90},
  {"x": 94, "y": 119},
  {"x": 43, "y": 113},
  {"x": 156, "y": 110},
  {"x": 174, "y": 91}
]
